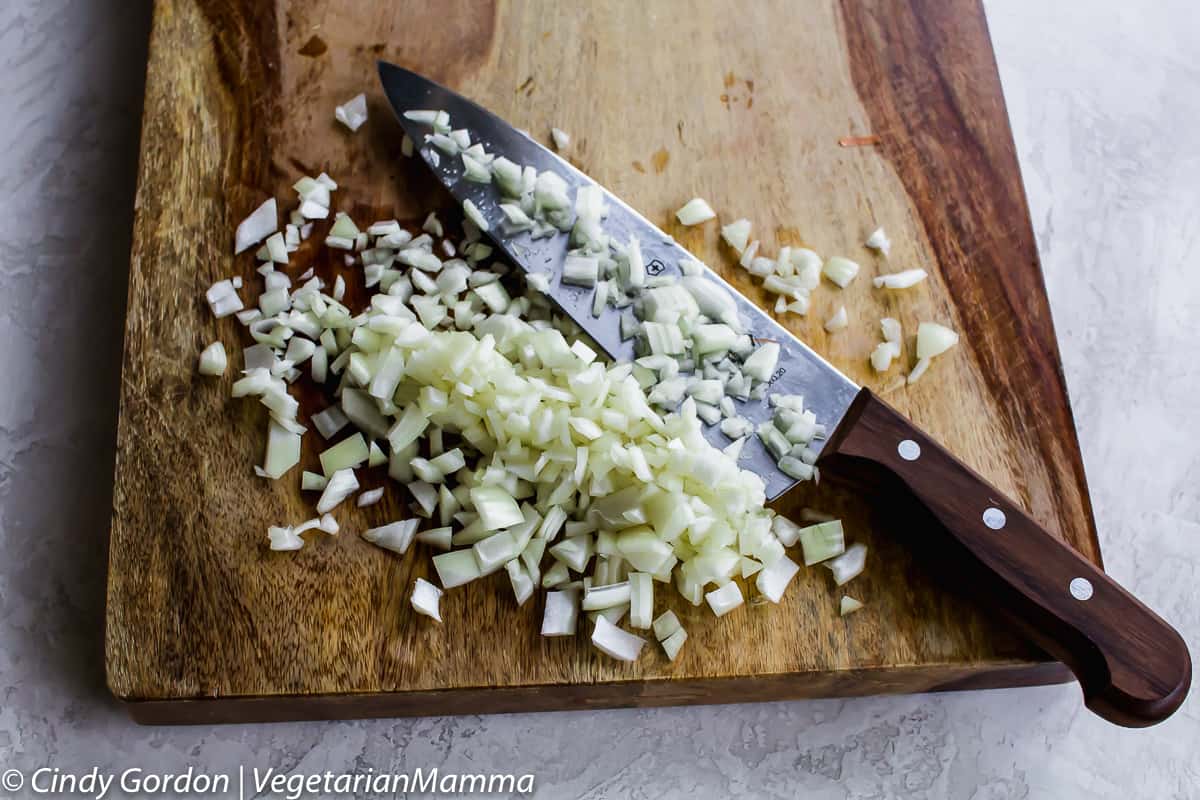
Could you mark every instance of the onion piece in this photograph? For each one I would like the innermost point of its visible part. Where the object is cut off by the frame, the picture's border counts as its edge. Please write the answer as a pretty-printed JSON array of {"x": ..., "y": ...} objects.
[
  {"x": 329, "y": 421},
  {"x": 749, "y": 253},
  {"x": 312, "y": 482},
  {"x": 284, "y": 538},
  {"x": 522, "y": 583},
  {"x": 724, "y": 599},
  {"x": 612, "y": 641},
  {"x": 838, "y": 321},
  {"x": 495, "y": 507},
  {"x": 934, "y": 339},
  {"x": 822, "y": 542},
  {"x": 901, "y": 280},
  {"x": 369, "y": 497},
  {"x": 694, "y": 212},
  {"x": 561, "y": 614},
  {"x": 349, "y": 453},
  {"x": 840, "y": 270},
  {"x": 223, "y": 299},
  {"x": 456, "y": 568},
  {"x": 352, "y": 113},
  {"x": 750, "y": 567},
  {"x": 882, "y": 355},
  {"x": 561, "y": 138},
  {"x": 437, "y": 537},
  {"x": 761, "y": 363},
  {"x": 341, "y": 485},
  {"x": 878, "y": 240},
  {"x": 395, "y": 536},
  {"x": 674, "y": 643},
  {"x": 849, "y": 564},
  {"x": 786, "y": 531},
  {"x": 773, "y": 580},
  {"x": 213, "y": 360},
  {"x": 262, "y": 222},
  {"x": 475, "y": 215},
  {"x": 598, "y": 597},
  {"x": 666, "y": 624},
  {"x": 580, "y": 270},
  {"x": 891, "y": 329},
  {"x": 426, "y": 598},
  {"x": 848, "y": 605},
  {"x": 737, "y": 234},
  {"x": 918, "y": 370},
  {"x": 283, "y": 450}
]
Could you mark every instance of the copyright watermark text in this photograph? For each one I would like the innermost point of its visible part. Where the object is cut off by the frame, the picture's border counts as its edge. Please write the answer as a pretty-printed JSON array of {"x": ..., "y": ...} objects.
[{"x": 250, "y": 782}]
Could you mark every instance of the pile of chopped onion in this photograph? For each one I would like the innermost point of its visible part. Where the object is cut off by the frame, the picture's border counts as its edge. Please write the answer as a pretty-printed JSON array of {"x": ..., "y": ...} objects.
[{"x": 520, "y": 449}]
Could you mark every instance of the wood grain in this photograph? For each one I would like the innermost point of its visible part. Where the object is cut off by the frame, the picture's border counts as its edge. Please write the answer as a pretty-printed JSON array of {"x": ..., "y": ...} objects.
[{"x": 733, "y": 102}]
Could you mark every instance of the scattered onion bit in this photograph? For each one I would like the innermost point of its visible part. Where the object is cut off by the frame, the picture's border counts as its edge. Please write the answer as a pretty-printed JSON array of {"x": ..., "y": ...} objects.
[
  {"x": 426, "y": 598},
  {"x": 878, "y": 240},
  {"x": 849, "y": 605},
  {"x": 352, "y": 113},
  {"x": 213, "y": 360},
  {"x": 838, "y": 321},
  {"x": 694, "y": 212}
]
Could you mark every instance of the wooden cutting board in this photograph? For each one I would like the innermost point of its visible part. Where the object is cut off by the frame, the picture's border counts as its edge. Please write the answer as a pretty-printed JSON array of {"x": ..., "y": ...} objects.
[{"x": 746, "y": 104}]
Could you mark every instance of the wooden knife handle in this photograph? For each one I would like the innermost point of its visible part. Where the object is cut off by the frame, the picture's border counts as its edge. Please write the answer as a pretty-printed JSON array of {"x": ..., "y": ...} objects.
[{"x": 1134, "y": 668}]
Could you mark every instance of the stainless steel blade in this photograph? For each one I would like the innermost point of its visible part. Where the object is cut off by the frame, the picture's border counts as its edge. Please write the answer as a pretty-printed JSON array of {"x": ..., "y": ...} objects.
[{"x": 827, "y": 392}]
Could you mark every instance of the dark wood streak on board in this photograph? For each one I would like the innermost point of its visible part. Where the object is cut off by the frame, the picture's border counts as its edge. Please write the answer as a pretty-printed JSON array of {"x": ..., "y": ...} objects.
[{"x": 936, "y": 96}]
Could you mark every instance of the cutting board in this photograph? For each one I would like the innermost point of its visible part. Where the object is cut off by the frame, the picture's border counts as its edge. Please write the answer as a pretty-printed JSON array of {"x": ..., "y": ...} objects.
[{"x": 816, "y": 120}]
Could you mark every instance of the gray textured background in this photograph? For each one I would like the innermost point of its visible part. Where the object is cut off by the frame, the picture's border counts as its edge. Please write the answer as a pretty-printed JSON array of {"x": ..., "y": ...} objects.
[{"x": 1105, "y": 105}]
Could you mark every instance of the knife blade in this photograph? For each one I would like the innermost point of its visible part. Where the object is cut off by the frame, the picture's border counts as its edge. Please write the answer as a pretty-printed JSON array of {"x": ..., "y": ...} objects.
[
  {"x": 826, "y": 391},
  {"x": 1134, "y": 668}
]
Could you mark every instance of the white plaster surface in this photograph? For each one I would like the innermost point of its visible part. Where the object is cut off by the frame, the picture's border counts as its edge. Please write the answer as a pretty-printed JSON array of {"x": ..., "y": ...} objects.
[{"x": 1105, "y": 103}]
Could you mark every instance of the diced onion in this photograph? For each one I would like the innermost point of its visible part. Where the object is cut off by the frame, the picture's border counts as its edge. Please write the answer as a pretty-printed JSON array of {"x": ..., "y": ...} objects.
[
  {"x": 341, "y": 485},
  {"x": 369, "y": 497},
  {"x": 666, "y": 624},
  {"x": 838, "y": 321},
  {"x": 561, "y": 614},
  {"x": 475, "y": 215},
  {"x": 674, "y": 643},
  {"x": 882, "y": 355},
  {"x": 918, "y": 370},
  {"x": 849, "y": 564},
  {"x": 737, "y": 234},
  {"x": 694, "y": 212},
  {"x": 822, "y": 542},
  {"x": 612, "y": 641},
  {"x": 261, "y": 223},
  {"x": 213, "y": 360},
  {"x": 773, "y": 579},
  {"x": 900, "y": 280},
  {"x": 724, "y": 599},
  {"x": 456, "y": 568},
  {"x": 561, "y": 138},
  {"x": 891, "y": 329},
  {"x": 426, "y": 599},
  {"x": 395, "y": 536},
  {"x": 840, "y": 270},
  {"x": 878, "y": 240},
  {"x": 934, "y": 339},
  {"x": 848, "y": 605}
]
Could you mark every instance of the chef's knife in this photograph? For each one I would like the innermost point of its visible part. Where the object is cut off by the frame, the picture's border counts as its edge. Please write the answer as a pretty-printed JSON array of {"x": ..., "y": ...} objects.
[{"x": 1134, "y": 668}]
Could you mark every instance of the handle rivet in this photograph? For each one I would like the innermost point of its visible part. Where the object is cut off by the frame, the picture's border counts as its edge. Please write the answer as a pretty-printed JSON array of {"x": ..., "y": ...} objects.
[
  {"x": 909, "y": 450},
  {"x": 994, "y": 518},
  {"x": 1081, "y": 588}
]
